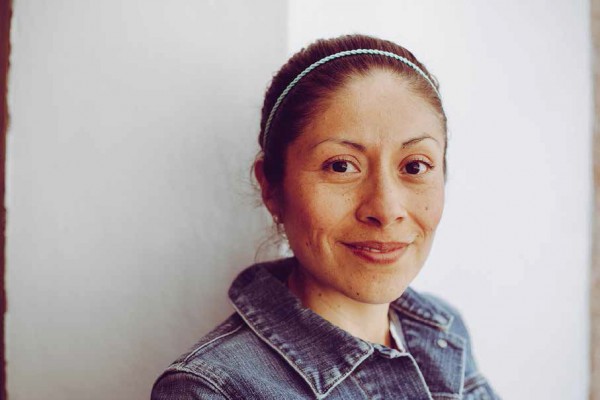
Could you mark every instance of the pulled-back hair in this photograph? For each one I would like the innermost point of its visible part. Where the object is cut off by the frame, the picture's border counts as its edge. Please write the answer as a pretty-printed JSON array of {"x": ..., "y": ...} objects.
[{"x": 310, "y": 95}]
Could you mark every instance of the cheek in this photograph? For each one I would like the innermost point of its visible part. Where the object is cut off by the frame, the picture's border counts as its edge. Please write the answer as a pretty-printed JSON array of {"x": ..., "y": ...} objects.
[
  {"x": 312, "y": 214},
  {"x": 431, "y": 208}
]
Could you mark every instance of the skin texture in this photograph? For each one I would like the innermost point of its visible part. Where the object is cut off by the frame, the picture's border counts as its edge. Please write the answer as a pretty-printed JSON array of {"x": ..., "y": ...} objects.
[{"x": 369, "y": 167}]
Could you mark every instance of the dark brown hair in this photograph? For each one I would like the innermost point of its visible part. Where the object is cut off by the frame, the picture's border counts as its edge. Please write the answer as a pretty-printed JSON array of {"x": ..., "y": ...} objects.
[{"x": 311, "y": 93}]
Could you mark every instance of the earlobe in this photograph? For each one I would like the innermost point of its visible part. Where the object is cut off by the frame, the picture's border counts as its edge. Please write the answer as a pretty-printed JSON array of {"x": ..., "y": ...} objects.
[{"x": 266, "y": 189}]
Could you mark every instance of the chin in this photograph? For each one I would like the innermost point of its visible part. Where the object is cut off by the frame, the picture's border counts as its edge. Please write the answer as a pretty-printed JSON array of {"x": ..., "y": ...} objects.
[
  {"x": 375, "y": 294},
  {"x": 377, "y": 285}
]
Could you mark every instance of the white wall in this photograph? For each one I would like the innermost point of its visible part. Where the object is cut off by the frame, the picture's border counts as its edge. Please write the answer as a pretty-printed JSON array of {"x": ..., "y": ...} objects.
[
  {"x": 133, "y": 127},
  {"x": 514, "y": 245}
]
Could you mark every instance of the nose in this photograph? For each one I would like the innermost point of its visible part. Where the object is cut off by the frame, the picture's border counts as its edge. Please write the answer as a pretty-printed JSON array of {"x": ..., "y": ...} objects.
[{"x": 383, "y": 200}]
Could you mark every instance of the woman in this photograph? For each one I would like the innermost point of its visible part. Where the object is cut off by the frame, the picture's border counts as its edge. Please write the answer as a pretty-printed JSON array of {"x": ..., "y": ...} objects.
[{"x": 352, "y": 168}]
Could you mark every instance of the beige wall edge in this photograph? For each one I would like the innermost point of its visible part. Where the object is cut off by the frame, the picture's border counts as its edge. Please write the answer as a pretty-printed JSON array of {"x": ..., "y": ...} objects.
[{"x": 595, "y": 273}]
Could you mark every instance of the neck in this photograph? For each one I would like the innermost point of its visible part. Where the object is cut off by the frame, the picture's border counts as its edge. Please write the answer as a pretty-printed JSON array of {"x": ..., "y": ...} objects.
[{"x": 363, "y": 320}]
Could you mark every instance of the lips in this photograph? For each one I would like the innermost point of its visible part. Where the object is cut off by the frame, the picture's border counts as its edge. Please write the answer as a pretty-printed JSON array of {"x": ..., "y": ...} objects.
[
  {"x": 378, "y": 247},
  {"x": 378, "y": 252}
]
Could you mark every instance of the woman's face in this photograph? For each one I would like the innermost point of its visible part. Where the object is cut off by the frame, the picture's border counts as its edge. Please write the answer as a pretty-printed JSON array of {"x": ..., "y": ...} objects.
[{"x": 363, "y": 190}]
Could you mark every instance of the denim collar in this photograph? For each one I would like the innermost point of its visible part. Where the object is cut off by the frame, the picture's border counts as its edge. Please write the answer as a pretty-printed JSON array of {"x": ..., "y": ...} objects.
[{"x": 323, "y": 354}]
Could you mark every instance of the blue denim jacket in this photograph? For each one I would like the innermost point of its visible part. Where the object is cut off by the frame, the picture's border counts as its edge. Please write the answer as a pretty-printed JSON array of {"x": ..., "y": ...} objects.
[{"x": 274, "y": 348}]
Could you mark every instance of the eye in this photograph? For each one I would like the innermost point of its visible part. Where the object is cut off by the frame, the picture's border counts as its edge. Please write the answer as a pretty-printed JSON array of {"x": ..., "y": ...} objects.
[
  {"x": 341, "y": 166},
  {"x": 417, "y": 167}
]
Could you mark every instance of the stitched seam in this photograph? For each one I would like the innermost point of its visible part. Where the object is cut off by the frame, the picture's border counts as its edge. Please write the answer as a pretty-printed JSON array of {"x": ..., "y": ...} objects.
[
  {"x": 293, "y": 365},
  {"x": 342, "y": 377},
  {"x": 474, "y": 381},
  {"x": 193, "y": 353},
  {"x": 209, "y": 382},
  {"x": 463, "y": 363},
  {"x": 276, "y": 349},
  {"x": 446, "y": 395},
  {"x": 444, "y": 328},
  {"x": 462, "y": 342},
  {"x": 420, "y": 374}
]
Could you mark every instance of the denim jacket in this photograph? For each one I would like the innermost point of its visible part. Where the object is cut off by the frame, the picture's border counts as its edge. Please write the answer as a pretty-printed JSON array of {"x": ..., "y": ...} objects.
[{"x": 274, "y": 348}]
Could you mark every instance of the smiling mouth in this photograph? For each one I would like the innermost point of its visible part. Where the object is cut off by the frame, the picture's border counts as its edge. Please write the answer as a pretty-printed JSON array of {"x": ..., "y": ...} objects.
[{"x": 378, "y": 252}]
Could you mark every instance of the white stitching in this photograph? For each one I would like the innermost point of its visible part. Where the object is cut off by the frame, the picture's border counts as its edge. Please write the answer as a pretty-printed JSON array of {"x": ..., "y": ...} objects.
[{"x": 193, "y": 353}]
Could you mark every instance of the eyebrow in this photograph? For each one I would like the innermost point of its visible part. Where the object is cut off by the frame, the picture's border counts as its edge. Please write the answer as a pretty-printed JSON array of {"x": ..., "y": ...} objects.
[
  {"x": 416, "y": 140},
  {"x": 362, "y": 148}
]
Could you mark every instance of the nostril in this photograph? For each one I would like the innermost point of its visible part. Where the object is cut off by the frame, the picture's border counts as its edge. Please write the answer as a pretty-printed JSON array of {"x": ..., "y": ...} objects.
[{"x": 373, "y": 220}]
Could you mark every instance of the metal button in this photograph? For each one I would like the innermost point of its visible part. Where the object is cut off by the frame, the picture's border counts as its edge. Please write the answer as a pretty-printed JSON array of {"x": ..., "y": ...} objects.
[{"x": 442, "y": 343}]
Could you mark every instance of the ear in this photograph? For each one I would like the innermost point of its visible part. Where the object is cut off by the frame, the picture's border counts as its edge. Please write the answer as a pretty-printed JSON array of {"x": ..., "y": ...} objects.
[{"x": 266, "y": 189}]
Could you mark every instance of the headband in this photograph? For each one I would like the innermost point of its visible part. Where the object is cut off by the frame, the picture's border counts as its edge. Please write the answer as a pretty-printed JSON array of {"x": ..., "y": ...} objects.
[{"x": 333, "y": 57}]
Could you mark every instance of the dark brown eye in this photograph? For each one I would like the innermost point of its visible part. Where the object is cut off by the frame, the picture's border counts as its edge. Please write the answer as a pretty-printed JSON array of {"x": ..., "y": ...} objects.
[
  {"x": 416, "y": 167},
  {"x": 341, "y": 167}
]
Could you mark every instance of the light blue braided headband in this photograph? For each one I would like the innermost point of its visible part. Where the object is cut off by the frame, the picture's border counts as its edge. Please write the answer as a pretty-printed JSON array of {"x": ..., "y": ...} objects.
[{"x": 333, "y": 57}]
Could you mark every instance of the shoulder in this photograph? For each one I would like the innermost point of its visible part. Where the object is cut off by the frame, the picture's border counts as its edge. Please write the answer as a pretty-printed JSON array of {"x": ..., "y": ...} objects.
[
  {"x": 228, "y": 363},
  {"x": 203, "y": 371}
]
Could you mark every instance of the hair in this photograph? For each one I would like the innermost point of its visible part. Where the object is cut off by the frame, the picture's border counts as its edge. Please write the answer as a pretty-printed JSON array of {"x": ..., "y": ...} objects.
[{"x": 311, "y": 94}]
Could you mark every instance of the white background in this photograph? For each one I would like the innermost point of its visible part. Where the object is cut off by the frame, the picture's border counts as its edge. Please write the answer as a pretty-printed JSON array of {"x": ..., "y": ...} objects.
[{"x": 130, "y": 208}]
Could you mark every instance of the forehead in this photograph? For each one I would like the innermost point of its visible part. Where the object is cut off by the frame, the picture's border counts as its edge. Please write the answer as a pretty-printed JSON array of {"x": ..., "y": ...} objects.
[{"x": 380, "y": 106}]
